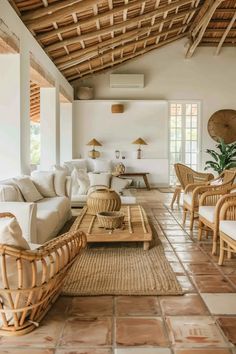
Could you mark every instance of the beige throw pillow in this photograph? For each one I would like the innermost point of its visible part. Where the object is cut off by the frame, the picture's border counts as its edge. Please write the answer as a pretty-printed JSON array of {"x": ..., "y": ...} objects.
[
  {"x": 60, "y": 183},
  {"x": 44, "y": 181},
  {"x": 28, "y": 189},
  {"x": 98, "y": 179}
]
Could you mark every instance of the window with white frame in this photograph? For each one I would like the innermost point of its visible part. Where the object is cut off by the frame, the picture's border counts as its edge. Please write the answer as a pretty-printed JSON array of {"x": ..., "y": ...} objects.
[{"x": 184, "y": 137}]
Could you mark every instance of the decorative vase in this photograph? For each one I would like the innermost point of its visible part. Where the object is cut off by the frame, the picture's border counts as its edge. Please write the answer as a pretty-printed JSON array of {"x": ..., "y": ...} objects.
[
  {"x": 103, "y": 200},
  {"x": 119, "y": 169}
]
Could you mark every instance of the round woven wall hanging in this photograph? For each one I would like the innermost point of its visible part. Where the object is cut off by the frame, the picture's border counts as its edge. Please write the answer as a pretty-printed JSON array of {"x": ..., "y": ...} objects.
[{"x": 222, "y": 124}]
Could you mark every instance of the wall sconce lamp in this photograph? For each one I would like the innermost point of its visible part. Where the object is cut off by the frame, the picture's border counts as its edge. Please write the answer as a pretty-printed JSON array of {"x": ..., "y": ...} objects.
[
  {"x": 94, "y": 154},
  {"x": 117, "y": 108}
]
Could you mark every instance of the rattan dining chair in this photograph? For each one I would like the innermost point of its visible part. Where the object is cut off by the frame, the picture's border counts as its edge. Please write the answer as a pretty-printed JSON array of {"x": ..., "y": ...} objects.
[
  {"x": 187, "y": 175},
  {"x": 193, "y": 192}
]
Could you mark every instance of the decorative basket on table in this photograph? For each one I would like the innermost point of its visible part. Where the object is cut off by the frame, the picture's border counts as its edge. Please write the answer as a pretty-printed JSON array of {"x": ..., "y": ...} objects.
[
  {"x": 111, "y": 219},
  {"x": 104, "y": 199}
]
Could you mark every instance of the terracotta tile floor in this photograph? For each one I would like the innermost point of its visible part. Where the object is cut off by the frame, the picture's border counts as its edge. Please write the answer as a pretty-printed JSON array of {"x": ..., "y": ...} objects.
[{"x": 203, "y": 321}]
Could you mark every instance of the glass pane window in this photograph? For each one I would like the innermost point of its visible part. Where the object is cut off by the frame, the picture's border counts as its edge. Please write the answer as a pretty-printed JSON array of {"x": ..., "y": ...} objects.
[{"x": 183, "y": 135}]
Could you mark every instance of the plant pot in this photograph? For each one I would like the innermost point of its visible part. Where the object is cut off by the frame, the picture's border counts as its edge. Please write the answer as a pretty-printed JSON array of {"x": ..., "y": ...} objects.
[{"x": 103, "y": 200}]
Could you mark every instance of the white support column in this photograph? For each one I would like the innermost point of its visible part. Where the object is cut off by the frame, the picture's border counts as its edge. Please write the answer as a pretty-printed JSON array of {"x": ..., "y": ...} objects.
[
  {"x": 49, "y": 127},
  {"x": 12, "y": 116},
  {"x": 66, "y": 130}
]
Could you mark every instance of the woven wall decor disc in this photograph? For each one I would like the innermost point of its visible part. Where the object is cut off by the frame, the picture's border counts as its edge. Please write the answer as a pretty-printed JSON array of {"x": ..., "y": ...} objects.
[{"x": 222, "y": 124}]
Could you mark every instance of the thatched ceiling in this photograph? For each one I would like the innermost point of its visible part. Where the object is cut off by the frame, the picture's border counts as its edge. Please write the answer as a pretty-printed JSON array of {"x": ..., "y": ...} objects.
[{"x": 88, "y": 36}]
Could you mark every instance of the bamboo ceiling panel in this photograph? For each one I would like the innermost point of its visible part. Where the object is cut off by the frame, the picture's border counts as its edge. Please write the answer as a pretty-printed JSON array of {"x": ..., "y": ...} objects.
[{"x": 84, "y": 37}]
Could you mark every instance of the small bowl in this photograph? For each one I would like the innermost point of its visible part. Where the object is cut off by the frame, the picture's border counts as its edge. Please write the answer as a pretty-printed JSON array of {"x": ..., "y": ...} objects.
[{"x": 110, "y": 219}]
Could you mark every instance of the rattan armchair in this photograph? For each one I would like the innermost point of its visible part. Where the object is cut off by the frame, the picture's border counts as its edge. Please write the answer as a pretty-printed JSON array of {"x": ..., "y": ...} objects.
[
  {"x": 210, "y": 205},
  {"x": 22, "y": 307},
  {"x": 193, "y": 192},
  {"x": 227, "y": 229},
  {"x": 187, "y": 175}
]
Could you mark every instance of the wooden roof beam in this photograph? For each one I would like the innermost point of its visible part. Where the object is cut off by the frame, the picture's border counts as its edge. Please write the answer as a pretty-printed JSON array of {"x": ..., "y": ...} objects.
[
  {"x": 60, "y": 14},
  {"x": 204, "y": 23},
  {"x": 126, "y": 37},
  {"x": 149, "y": 15},
  {"x": 89, "y": 21},
  {"x": 230, "y": 25},
  {"x": 128, "y": 57},
  {"x": 122, "y": 48}
]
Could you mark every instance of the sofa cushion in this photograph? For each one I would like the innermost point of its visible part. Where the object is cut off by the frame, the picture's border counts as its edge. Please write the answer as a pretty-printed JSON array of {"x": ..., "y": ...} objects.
[
  {"x": 28, "y": 189},
  {"x": 57, "y": 204},
  {"x": 80, "y": 182},
  {"x": 11, "y": 234},
  {"x": 60, "y": 183},
  {"x": 47, "y": 221},
  {"x": 207, "y": 212},
  {"x": 100, "y": 165},
  {"x": 118, "y": 184},
  {"x": 98, "y": 179},
  {"x": 44, "y": 182},
  {"x": 228, "y": 227},
  {"x": 8, "y": 193}
]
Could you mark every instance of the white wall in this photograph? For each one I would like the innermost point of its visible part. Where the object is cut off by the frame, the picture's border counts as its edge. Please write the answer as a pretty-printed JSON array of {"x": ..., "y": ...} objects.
[{"x": 169, "y": 76}]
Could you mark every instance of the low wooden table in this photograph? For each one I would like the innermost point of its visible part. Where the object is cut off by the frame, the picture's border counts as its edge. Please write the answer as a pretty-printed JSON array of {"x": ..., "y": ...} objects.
[
  {"x": 138, "y": 174},
  {"x": 136, "y": 227}
]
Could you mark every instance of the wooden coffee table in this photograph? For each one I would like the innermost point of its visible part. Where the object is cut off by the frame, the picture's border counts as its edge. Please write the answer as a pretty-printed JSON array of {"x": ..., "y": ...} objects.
[{"x": 136, "y": 227}]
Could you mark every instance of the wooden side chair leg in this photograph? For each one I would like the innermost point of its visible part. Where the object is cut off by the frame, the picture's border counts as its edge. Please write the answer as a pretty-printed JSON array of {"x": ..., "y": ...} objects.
[
  {"x": 174, "y": 198},
  {"x": 200, "y": 230},
  {"x": 229, "y": 253},
  {"x": 178, "y": 197},
  {"x": 191, "y": 220},
  {"x": 184, "y": 215},
  {"x": 221, "y": 257},
  {"x": 214, "y": 245}
]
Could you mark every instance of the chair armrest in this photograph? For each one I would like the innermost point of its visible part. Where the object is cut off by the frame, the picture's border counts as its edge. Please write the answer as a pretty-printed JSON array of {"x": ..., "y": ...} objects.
[
  {"x": 190, "y": 187},
  {"x": 228, "y": 210},
  {"x": 25, "y": 214},
  {"x": 211, "y": 197}
]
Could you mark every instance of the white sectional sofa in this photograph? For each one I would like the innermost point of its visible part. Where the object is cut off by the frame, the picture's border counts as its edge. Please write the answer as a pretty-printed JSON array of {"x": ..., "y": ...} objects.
[
  {"x": 40, "y": 220},
  {"x": 98, "y": 173}
]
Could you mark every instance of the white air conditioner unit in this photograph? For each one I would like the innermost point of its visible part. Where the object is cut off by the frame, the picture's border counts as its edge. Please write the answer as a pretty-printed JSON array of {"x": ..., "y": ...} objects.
[{"x": 127, "y": 80}]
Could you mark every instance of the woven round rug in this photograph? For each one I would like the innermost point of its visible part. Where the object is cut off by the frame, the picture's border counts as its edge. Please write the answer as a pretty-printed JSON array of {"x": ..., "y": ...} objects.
[{"x": 122, "y": 269}]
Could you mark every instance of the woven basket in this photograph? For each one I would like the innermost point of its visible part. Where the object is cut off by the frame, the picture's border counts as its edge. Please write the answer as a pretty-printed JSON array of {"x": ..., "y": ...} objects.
[
  {"x": 103, "y": 200},
  {"x": 111, "y": 220}
]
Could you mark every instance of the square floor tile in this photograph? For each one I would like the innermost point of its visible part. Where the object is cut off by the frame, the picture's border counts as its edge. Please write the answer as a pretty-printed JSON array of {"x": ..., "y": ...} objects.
[
  {"x": 186, "y": 284},
  {"x": 142, "y": 351},
  {"x": 228, "y": 326},
  {"x": 26, "y": 351},
  {"x": 177, "y": 268},
  {"x": 82, "y": 332},
  {"x": 178, "y": 239},
  {"x": 220, "y": 304},
  {"x": 140, "y": 332},
  {"x": 92, "y": 306},
  {"x": 191, "y": 332},
  {"x": 201, "y": 268},
  {"x": 192, "y": 256},
  {"x": 213, "y": 284},
  {"x": 137, "y": 306},
  {"x": 189, "y": 304}
]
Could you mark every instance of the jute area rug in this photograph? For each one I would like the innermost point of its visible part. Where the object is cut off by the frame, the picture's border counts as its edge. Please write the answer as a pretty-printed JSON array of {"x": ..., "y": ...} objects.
[{"x": 122, "y": 269}]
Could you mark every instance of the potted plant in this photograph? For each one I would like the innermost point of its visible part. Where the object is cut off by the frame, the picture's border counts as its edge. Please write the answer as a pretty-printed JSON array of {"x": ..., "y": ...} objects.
[{"x": 224, "y": 159}]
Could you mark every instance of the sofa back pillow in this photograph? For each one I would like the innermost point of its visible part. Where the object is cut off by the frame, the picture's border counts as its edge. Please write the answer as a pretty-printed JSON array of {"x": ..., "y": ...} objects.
[
  {"x": 100, "y": 165},
  {"x": 60, "y": 183},
  {"x": 118, "y": 184},
  {"x": 11, "y": 234},
  {"x": 80, "y": 182},
  {"x": 28, "y": 189},
  {"x": 8, "y": 193},
  {"x": 44, "y": 182},
  {"x": 98, "y": 179},
  {"x": 80, "y": 164}
]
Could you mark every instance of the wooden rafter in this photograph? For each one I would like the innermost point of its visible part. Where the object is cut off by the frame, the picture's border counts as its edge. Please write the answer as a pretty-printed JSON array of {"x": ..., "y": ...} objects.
[{"x": 226, "y": 32}]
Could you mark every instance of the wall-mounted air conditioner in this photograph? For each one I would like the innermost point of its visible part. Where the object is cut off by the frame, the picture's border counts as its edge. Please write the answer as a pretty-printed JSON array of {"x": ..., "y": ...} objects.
[{"x": 127, "y": 80}]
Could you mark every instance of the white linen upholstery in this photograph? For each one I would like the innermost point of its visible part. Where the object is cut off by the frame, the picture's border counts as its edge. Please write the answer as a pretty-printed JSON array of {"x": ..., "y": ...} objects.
[
  {"x": 80, "y": 180},
  {"x": 11, "y": 234},
  {"x": 207, "y": 212},
  {"x": 188, "y": 198},
  {"x": 118, "y": 184},
  {"x": 228, "y": 227},
  {"x": 60, "y": 183},
  {"x": 97, "y": 179},
  {"x": 101, "y": 165},
  {"x": 44, "y": 182},
  {"x": 28, "y": 189},
  {"x": 78, "y": 163},
  {"x": 8, "y": 193}
]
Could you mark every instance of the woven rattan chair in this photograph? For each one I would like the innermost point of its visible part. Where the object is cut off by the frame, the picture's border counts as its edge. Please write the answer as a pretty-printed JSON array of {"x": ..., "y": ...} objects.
[
  {"x": 210, "y": 205},
  {"x": 187, "y": 175},
  {"x": 193, "y": 192},
  {"x": 22, "y": 308},
  {"x": 227, "y": 229}
]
